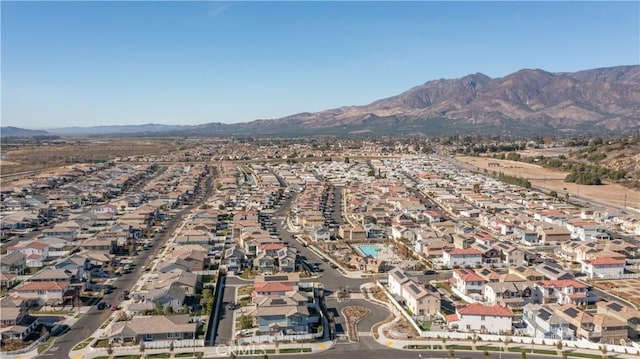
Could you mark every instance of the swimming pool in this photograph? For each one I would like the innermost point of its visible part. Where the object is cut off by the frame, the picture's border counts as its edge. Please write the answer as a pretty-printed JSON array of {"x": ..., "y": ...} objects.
[{"x": 370, "y": 250}]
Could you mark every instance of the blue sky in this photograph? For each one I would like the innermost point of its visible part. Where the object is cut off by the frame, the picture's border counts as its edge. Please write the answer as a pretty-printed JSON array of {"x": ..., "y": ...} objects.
[{"x": 108, "y": 63}]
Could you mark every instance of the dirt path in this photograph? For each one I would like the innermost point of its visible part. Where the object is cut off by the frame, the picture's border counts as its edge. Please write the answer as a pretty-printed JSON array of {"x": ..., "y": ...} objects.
[{"x": 608, "y": 193}]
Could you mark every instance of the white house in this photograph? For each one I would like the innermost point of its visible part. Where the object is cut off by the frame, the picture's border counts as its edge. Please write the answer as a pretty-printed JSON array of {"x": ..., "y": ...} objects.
[
  {"x": 486, "y": 319},
  {"x": 603, "y": 267},
  {"x": 467, "y": 282},
  {"x": 462, "y": 257},
  {"x": 396, "y": 278}
]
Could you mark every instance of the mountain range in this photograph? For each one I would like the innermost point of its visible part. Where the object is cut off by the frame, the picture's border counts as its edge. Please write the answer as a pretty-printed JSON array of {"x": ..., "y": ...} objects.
[{"x": 526, "y": 102}]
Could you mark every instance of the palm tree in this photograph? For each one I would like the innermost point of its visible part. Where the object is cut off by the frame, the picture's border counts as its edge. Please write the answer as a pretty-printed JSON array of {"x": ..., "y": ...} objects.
[
  {"x": 486, "y": 354},
  {"x": 451, "y": 353}
]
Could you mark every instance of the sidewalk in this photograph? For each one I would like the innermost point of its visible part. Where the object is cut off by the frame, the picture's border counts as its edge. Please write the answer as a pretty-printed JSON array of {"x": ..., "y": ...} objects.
[{"x": 221, "y": 351}]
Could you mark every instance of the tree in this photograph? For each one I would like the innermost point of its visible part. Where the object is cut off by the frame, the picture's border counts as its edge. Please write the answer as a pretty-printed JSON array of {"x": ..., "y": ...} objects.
[
  {"x": 199, "y": 355},
  {"x": 109, "y": 350},
  {"x": 451, "y": 353},
  {"x": 171, "y": 346},
  {"x": 142, "y": 347},
  {"x": 523, "y": 355},
  {"x": 486, "y": 354}
]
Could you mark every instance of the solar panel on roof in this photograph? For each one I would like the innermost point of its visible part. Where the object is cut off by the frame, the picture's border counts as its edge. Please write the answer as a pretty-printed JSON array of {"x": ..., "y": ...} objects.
[
  {"x": 615, "y": 306},
  {"x": 543, "y": 314},
  {"x": 276, "y": 278},
  {"x": 551, "y": 269},
  {"x": 414, "y": 288},
  {"x": 572, "y": 312},
  {"x": 278, "y": 301}
]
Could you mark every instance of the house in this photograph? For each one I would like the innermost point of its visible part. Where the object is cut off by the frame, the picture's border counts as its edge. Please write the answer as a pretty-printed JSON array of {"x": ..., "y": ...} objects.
[
  {"x": 510, "y": 254},
  {"x": 622, "y": 312},
  {"x": 265, "y": 263},
  {"x": 564, "y": 291},
  {"x": 542, "y": 322},
  {"x": 419, "y": 300},
  {"x": 603, "y": 267},
  {"x": 368, "y": 264},
  {"x": 510, "y": 294},
  {"x": 29, "y": 248},
  {"x": 282, "y": 315},
  {"x": 45, "y": 292},
  {"x": 287, "y": 260},
  {"x": 467, "y": 282},
  {"x": 320, "y": 234},
  {"x": 273, "y": 288},
  {"x": 554, "y": 234},
  {"x": 234, "y": 259},
  {"x": 52, "y": 275},
  {"x": 599, "y": 328},
  {"x": 150, "y": 328},
  {"x": 15, "y": 321},
  {"x": 396, "y": 277},
  {"x": 462, "y": 257},
  {"x": 553, "y": 272},
  {"x": 493, "y": 319},
  {"x": 8, "y": 280},
  {"x": 172, "y": 295},
  {"x": 15, "y": 263}
]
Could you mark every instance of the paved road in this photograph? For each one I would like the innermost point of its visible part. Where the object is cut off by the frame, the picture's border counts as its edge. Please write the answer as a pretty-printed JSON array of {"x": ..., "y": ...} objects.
[
  {"x": 91, "y": 321},
  {"x": 225, "y": 324},
  {"x": 368, "y": 348}
]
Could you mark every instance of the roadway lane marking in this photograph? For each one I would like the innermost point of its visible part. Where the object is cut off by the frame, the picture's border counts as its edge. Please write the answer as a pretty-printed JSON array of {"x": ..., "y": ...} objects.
[
  {"x": 322, "y": 346},
  {"x": 78, "y": 356},
  {"x": 389, "y": 343}
]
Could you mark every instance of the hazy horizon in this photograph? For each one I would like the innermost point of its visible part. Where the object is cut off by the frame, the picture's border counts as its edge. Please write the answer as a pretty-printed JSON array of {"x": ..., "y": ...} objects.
[{"x": 105, "y": 63}]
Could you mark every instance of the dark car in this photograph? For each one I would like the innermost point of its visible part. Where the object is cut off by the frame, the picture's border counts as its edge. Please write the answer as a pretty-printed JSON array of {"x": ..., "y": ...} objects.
[{"x": 101, "y": 306}]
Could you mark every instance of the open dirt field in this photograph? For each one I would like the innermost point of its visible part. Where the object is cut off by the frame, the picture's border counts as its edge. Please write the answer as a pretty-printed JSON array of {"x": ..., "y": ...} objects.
[
  {"x": 628, "y": 289},
  {"x": 607, "y": 193},
  {"x": 29, "y": 157}
]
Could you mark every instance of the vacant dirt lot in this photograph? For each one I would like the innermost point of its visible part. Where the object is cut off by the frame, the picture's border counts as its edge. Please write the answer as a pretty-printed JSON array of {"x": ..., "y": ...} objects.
[
  {"x": 607, "y": 193},
  {"x": 29, "y": 157},
  {"x": 628, "y": 289}
]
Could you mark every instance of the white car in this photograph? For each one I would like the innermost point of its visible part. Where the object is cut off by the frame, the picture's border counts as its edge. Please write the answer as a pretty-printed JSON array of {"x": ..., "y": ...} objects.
[{"x": 244, "y": 332}]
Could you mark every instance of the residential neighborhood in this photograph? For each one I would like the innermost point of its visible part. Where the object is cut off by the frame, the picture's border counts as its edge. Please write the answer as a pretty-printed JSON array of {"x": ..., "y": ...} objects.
[{"x": 189, "y": 253}]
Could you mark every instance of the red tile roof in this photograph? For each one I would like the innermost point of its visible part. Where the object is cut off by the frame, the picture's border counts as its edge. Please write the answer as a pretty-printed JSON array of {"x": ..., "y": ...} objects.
[
  {"x": 273, "y": 287},
  {"x": 468, "y": 275},
  {"x": 479, "y": 309},
  {"x": 271, "y": 246},
  {"x": 464, "y": 251},
  {"x": 452, "y": 318},
  {"x": 607, "y": 261},
  {"x": 37, "y": 245}
]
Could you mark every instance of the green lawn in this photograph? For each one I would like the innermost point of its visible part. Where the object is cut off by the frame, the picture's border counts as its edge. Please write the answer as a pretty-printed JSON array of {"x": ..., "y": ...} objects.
[
  {"x": 426, "y": 325},
  {"x": 42, "y": 347},
  {"x": 547, "y": 352},
  {"x": 136, "y": 356},
  {"x": 488, "y": 348},
  {"x": 102, "y": 343},
  {"x": 295, "y": 350},
  {"x": 159, "y": 355},
  {"x": 584, "y": 355},
  {"x": 245, "y": 290},
  {"x": 83, "y": 344},
  {"x": 421, "y": 347},
  {"x": 50, "y": 312},
  {"x": 460, "y": 347},
  {"x": 186, "y": 355}
]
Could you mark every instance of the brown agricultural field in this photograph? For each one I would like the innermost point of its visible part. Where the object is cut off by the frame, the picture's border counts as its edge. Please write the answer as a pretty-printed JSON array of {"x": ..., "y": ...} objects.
[
  {"x": 30, "y": 157},
  {"x": 608, "y": 193}
]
